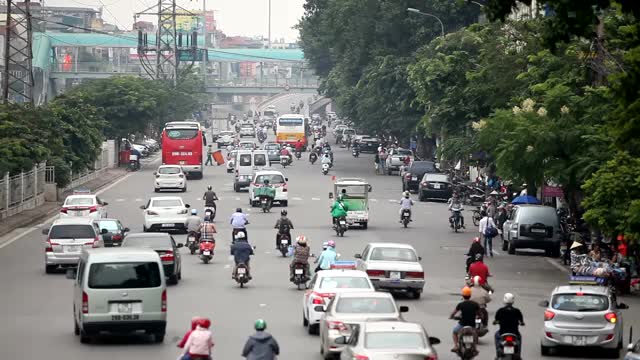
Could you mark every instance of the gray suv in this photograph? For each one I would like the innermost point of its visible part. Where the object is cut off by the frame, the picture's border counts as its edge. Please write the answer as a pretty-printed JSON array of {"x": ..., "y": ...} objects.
[
  {"x": 66, "y": 238},
  {"x": 532, "y": 227}
]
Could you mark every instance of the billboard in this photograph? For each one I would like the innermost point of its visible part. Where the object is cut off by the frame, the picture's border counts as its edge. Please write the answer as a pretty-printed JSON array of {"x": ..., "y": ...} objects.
[{"x": 194, "y": 21}]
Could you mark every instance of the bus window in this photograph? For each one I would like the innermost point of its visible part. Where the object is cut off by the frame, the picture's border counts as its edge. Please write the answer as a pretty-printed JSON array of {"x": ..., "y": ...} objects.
[
  {"x": 182, "y": 134},
  {"x": 245, "y": 160}
]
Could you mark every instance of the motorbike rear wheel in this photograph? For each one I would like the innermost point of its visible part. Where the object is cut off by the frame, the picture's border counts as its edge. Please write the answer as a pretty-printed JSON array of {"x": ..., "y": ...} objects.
[{"x": 205, "y": 260}]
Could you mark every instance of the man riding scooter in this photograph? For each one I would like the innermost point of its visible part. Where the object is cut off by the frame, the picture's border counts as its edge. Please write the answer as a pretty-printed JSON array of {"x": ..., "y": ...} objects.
[
  {"x": 301, "y": 255},
  {"x": 508, "y": 318},
  {"x": 241, "y": 251},
  {"x": 405, "y": 204},
  {"x": 193, "y": 224},
  {"x": 210, "y": 199},
  {"x": 455, "y": 205},
  {"x": 284, "y": 226}
]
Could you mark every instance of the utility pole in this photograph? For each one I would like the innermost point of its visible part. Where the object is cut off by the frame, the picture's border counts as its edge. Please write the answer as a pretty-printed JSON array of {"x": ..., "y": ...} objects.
[
  {"x": 17, "y": 78},
  {"x": 205, "y": 53},
  {"x": 269, "y": 35},
  {"x": 167, "y": 57}
]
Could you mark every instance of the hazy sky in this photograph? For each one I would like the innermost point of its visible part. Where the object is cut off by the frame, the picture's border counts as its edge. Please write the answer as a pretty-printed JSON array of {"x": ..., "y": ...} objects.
[{"x": 234, "y": 17}]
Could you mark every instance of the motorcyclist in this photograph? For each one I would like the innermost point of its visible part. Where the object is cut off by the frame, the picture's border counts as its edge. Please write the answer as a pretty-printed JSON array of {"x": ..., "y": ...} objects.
[
  {"x": 241, "y": 251},
  {"x": 328, "y": 257},
  {"x": 468, "y": 311},
  {"x": 301, "y": 253},
  {"x": 261, "y": 345},
  {"x": 405, "y": 204},
  {"x": 479, "y": 268},
  {"x": 284, "y": 226},
  {"x": 481, "y": 296},
  {"x": 298, "y": 146},
  {"x": 200, "y": 342},
  {"x": 324, "y": 130},
  {"x": 509, "y": 318},
  {"x": 193, "y": 224},
  {"x": 207, "y": 229},
  {"x": 455, "y": 204},
  {"x": 210, "y": 198},
  {"x": 338, "y": 209},
  {"x": 135, "y": 152},
  {"x": 239, "y": 223},
  {"x": 285, "y": 152},
  {"x": 475, "y": 249},
  {"x": 326, "y": 159}
]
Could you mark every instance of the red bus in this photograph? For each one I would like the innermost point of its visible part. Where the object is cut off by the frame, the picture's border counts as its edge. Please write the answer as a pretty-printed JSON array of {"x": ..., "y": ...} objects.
[{"x": 182, "y": 145}]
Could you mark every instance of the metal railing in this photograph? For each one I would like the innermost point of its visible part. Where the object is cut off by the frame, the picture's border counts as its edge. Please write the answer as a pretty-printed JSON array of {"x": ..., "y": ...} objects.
[
  {"x": 99, "y": 67},
  {"x": 80, "y": 177},
  {"x": 22, "y": 192},
  {"x": 271, "y": 81}
]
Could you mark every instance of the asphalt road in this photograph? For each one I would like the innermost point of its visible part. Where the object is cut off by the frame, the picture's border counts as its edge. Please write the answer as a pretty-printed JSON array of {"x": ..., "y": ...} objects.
[{"x": 36, "y": 308}]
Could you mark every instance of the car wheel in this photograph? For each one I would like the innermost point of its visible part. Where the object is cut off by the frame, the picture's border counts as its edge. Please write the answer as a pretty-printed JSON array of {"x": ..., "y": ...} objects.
[
  {"x": 545, "y": 350},
  {"x": 76, "y": 328},
  {"x": 84, "y": 337},
  {"x": 421, "y": 198},
  {"x": 180, "y": 275},
  {"x": 313, "y": 329},
  {"x": 236, "y": 188},
  {"x": 305, "y": 322},
  {"x": 505, "y": 245},
  {"x": 184, "y": 189},
  {"x": 156, "y": 190},
  {"x": 158, "y": 338},
  {"x": 284, "y": 202},
  {"x": 50, "y": 269},
  {"x": 417, "y": 294},
  {"x": 173, "y": 279},
  {"x": 512, "y": 248},
  {"x": 144, "y": 229}
]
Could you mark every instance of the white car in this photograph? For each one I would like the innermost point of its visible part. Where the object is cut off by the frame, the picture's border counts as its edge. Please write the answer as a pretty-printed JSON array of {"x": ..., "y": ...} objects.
[
  {"x": 338, "y": 129},
  {"x": 247, "y": 130},
  {"x": 85, "y": 205},
  {"x": 170, "y": 177},
  {"x": 324, "y": 285},
  {"x": 165, "y": 213},
  {"x": 276, "y": 179},
  {"x": 225, "y": 138}
]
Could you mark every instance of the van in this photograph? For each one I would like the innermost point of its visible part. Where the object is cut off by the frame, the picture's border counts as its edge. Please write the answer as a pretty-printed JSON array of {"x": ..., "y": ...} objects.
[
  {"x": 119, "y": 290},
  {"x": 65, "y": 240},
  {"x": 245, "y": 163},
  {"x": 532, "y": 227}
]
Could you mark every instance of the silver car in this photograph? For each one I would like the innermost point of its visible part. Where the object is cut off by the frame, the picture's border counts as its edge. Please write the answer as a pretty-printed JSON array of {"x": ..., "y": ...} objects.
[
  {"x": 382, "y": 340},
  {"x": 633, "y": 351},
  {"x": 532, "y": 227},
  {"x": 582, "y": 316},
  {"x": 392, "y": 266},
  {"x": 65, "y": 240},
  {"x": 348, "y": 310}
]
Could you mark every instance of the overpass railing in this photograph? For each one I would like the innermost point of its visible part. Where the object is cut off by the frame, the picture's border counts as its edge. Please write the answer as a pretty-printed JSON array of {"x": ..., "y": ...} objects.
[
  {"x": 270, "y": 81},
  {"x": 99, "y": 67}
]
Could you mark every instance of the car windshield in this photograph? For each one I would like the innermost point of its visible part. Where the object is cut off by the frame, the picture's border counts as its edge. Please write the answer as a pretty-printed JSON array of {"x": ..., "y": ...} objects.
[
  {"x": 538, "y": 214},
  {"x": 160, "y": 242},
  {"x": 394, "y": 340},
  {"x": 580, "y": 302},
  {"x": 75, "y": 201},
  {"x": 169, "y": 170},
  {"x": 166, "y": 203},
  {"x": 290, "y": 122},
  {"x": 182, "y": 134},
  {"x": 364, "y": 305},
  {"x": 404, "y": 152},
  {"x": 349, "y": 132},
  {"x": 436, "y": 177},
  {"x": 109, "y": 225},
  {"x": 422, "y": 166},
  {"x": 124, "y": 275},
  {"x": 72, "y": 232},
  {"x": 393, "y": 254},
  {"x": 354, "y": 191},
  {"x": 247, "y": 127},
  {"x": 344, "y": 282},
  {"x": 273, "y": 179}
]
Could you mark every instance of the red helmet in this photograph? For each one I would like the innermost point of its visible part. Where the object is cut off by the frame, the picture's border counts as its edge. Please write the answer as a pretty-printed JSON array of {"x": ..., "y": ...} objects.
[
  {"x": 204, "y": 322},
  {"x": 195, "y": 321},
  {"x": 476, "y": 239}
]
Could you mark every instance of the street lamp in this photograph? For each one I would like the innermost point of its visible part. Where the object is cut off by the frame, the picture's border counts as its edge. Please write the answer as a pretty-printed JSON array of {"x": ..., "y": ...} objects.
[
  {"x": 412, "y": 10},
  {"x": 477, "y": 3}
]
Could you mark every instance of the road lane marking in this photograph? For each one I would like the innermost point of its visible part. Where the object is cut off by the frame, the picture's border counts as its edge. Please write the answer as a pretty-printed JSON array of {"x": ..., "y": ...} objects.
[
  {"x": 262, "y": 305},
  {"x": 373, "y": 200},
  {"x": 139, "y": 200},
  {"x": 237, "y": 199},
  {"x": 119, "y": 200},
  {"x": 227, "y": 266},
  {"x": 315, "y": 199},
  {"x": 296, "y": 199}
]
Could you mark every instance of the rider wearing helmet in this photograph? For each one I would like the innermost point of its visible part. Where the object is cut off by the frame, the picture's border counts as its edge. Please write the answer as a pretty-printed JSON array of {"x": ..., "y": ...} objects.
[
  {"x": 261, "y": 345},
  {"x": 200, "y": 341},
  {"x": 405, "y": 204},
  {"x": 475, "y": 249},
  {"x": 479, "y": 268},
  {"x": 207, "y": 229},
  {"x": 509, "y": 318},
  {"x": 301, "y": 255},
  {"x": 210, "y": 198},
  {"x": 468, "y": 311},
  {"x": 193, "y": 224},
  {"x": 241, "y": 251},
  {"x": 284, "y": 226},
  {"x": 339, "y": 209},
  {"x": 328, "y": 257},
  {"x": 239, "y": 222},
  {"x": 455, "y": 204},
  {"x": 480, "y": 295}
]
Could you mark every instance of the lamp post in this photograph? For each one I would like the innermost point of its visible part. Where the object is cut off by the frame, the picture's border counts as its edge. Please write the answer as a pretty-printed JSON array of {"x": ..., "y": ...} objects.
[
  {"x": 412, "y": 10},
  {"x": 269, "y": 35}
]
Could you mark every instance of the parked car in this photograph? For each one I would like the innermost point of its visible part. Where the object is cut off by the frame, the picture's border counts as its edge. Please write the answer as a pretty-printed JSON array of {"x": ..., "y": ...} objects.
[
  {"x": 393, "y": 267},
  {"x": 395, "y": 160},
  {"x": 412, "y": 176},
  {"x": 170, "y": 177},
  {"x": 276, "y": 180},
  {"x": 112, "y": 231},
  {"x": 66, "y": 238},
  {"x": 165, "y": 246},
  {"x": 582, "y": 316},
  {"x": 84, "y": 205},
  {"x": 435, "y": 186},
  {"x": 166, "y": 213},
  {"x": 533, "y": 227},
  {"x": 369, "y": 145},
  {"x": 144, "y": 151}
]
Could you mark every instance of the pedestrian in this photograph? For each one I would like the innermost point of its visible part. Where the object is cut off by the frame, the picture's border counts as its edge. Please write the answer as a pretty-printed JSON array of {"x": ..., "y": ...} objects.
[
  {"x": 209, "y": 156},
  {"x": 376, "y": 162},
  {"x": 488, "y": 230},
  {"x": 383, "y": 159}
]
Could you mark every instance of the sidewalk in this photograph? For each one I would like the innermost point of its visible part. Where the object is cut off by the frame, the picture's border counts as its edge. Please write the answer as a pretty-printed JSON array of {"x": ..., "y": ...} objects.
[{"x": 48, "y": 209}]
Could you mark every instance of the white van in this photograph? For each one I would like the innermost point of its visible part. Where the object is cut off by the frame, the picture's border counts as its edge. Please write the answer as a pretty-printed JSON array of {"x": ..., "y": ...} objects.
[
  {"x": 245, "y": 163},
  {"x": 119, "y": 290}
]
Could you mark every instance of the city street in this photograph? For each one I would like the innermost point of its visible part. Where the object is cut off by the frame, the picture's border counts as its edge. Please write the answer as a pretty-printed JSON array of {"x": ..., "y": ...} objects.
[{"x": 37, "y": 308}]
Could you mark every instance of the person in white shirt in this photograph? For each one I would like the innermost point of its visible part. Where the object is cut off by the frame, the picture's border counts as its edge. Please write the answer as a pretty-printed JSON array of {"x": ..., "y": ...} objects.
[
  {"x": 485, "y": 223},
  {"x": 405, "y": 204}
]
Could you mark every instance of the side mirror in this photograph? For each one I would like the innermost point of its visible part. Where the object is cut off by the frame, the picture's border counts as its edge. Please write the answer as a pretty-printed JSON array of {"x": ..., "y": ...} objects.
[
  {"x": 45, "y": 231},
  {"x": 342, "y": 340},
  {"x": 143, "y": 207},
  {"x": 419, "y": 258},
  {"x": 179, "y": 245},
  {"x": 330, "y": 195},
  {"x": 155, "y": 173},
  {"x": 286, "y": 179},
  {"x": 71, "y": 274},
  {"x": 105, "y": 203},
  {"x": 187, "y": 206},
  {"x": 404, "y": 309},
  {"x": 357, "y": 256},
  {"x": 126, "y": 229},
  {"x": 319, "y": 308},
  {"x": 544, "y": 303},
  {"x": 370, "y": 188},
  {"x": 434, "y": 340},
  {"x": 104, "y": 231},
  {"x": 630, "y": 347},
  {"x": 623, "y": 306}
]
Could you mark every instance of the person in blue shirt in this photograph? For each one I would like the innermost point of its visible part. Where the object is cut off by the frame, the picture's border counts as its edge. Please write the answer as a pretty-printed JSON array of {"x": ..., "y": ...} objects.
[
  {"x": 241, "y": 251},
  {"x": 138, "y": 155},
  {"x": 328, "y": 257}
]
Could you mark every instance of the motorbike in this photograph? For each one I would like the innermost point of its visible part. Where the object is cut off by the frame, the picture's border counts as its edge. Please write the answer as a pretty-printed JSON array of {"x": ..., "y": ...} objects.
[
  {"x": 298, "y": 155},
  {"x": 284, "y": 240},
  {"x": 325, "y": 168},
  {"x": 192, "y": 242},
  {"x": 313, "y": 157},
  {"x": 209, "y": 213},
  {"x": 284, "y": 160},
  {"x": 355, "y": 152},
  {"x": 300, "y": 276},
  {"x": 242, "y": 274},
  {"x": 457, "y": 219},
  {"x": 481, "y": 322},
  {"x": 341, "y": 226},
  {"x": 265, "y": 203},
  {"x": 234, "y": 232},
  {"x": 206, "y": 250},
  {"x": 262, "y": 138},
  {"x": 476, "y": 215},
  {"x": 133, "y": 165},
  {"x": 467, "y": 343},
  {"x": 508, "y": 347},
  {"x": 406, "y": 217}
]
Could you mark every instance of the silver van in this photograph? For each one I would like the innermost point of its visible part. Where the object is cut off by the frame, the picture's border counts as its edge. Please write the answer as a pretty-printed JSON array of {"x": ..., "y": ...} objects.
[
  {"x": 245, "y": 163},
  {"x": 119, "y": 290},
  {"x": 65, "y": 240},
  {"x": 532, "y": 227}
]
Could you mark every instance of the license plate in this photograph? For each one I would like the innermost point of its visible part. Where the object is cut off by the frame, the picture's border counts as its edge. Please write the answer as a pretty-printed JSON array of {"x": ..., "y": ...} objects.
[
  {"x": 579, "y": 340},
  {"x": 509, "y": 350},
  {"x": 343, "y": 222},
  {"x": 299, "y": 271},
  {"x": 284, "y": 242},
  {"x": 414, "y": 178},
  {"x": 264, "y": 201},
  {"x": 82, "y": 213},
  {"x": 167, "y": 225},
  {"x": 436, "y": 186},
  {"x": 206, "y": 253},
  {"x": 394, "y": 275},
  {"x": 242, "y": 271},
  {"x": 467, "y": 339},
  {"x": 125, "y": 308},
  {"x": 182, "y": 162},
  {"x": 71, "y": 249},
  {"x": 539, "y": 231},
  {"x": 406, "y": 215},
  {"x": 125, "y": 317}
]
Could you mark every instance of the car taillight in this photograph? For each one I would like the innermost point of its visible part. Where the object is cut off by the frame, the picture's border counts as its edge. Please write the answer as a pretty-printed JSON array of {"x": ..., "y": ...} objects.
[
  {"x": 63, "y": 210},
  {"x": 163, "y": 299},
  {"x": 424, "y": 183},
  {"x": 149, "y": 212},
  {"x": 284, "y": 188},
  {"x": 93, "y": 209},
  {"x": 360, "y": 357},
  {"x": 93, "y": 243},
  {"x": 431, "y": 357},
  {"x": 49, "y": 245},
  {"x": 548, "y": 315},
  {"x": 181, "y": 176},
  {"x": 375, "y": 273},
  {"x": 85, "y": 303},
  {"x": 415, "y": 274},
  {"x": 337, "y": 325},
  {"x": 611, "y": 317},
  {"x": 167, "y": 256},
  {"x": 317, "y": 301}
]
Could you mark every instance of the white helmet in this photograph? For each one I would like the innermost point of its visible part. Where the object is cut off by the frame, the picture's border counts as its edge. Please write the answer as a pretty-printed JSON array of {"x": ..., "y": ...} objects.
[
  {"x": 477, "y": 280},
  {"x": 240, "y": 235},
  {"x": 509, "y": 298},
  {"x": 301, "y": 239}
]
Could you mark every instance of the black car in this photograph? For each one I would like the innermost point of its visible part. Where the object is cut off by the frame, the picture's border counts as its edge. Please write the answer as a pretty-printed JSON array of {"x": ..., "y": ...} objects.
[
  {"x": 165, "y": 246},
  {"x": 369, "y": 146},
  {"x": 412, "y": 177},
  {"x": 435, "y": 186},
  {"x": 112, "y": 231}
]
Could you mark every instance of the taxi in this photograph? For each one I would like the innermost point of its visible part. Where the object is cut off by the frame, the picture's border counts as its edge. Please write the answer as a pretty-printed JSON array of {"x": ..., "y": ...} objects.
[
  {"x": 324, "y": 285},
  {"x": 83, "y": 204}
]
